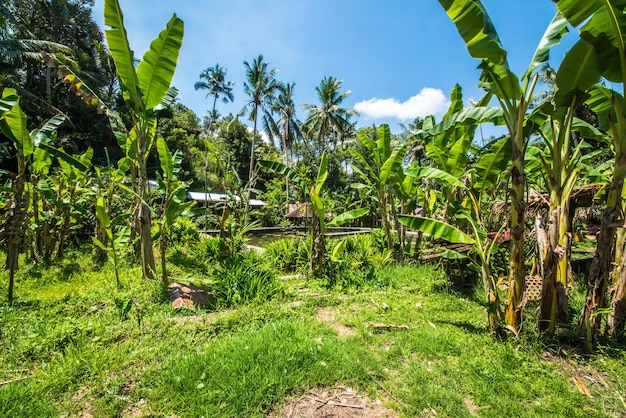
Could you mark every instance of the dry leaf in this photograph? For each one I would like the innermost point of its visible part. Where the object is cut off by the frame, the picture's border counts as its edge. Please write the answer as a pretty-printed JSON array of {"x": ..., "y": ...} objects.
[
  {"x": 582, "y": 388},
  {"x": 432, "y": 325}
]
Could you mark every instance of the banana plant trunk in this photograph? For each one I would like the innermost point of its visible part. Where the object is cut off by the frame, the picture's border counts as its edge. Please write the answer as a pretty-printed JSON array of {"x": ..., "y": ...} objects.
[
  {"x": 14, "y": 226},
  {"x": 148, "y": 265},
  {"x": 318, "y": 249},
  {"x": 617, "y": 317},
  {"x": 494, "y": 313},
  {"x": 556, "y": 268},
  {"x": 397, "y": 226},
  {"x": 517, "y": 275},
  {"x": 564, "y": 267},
  {"x": 589, "y": 324},
  {"x": 382, "y": 199},
  {"x": 163, "y": 252}
]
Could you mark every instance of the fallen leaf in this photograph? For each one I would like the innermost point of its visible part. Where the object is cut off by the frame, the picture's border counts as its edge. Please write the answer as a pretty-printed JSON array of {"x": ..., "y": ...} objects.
[
  {"x": 582, "y": 388},
  {"x": 432, "y": 325}
]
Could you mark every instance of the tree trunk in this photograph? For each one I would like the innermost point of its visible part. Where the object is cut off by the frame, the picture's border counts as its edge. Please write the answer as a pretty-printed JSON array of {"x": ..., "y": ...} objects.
[
  {"x": 163, "y": 252},
  {"x": 493, "y": 303},
  {"x": 382, "y": 200},
  {"x": 617, "y": 317},
  {"x": 548, "y": 262},
  {"x": 517, "y": 276},
  {"x": 144, "y": 219},
  {"x": 589, "y": 323},
  {"x": 397, "y": 226},
  {"x": 318, "y": 249},
  {"x": 13, "y": 233},
  {"x": 564, "y": 267}
]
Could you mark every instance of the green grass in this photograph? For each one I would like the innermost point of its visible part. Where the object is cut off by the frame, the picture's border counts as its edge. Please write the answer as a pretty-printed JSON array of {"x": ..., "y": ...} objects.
[{"x": 244, "y": 361}]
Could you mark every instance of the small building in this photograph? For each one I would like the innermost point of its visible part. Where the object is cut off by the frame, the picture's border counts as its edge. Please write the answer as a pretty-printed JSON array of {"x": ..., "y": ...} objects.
[{"x": 212, "y": 199}]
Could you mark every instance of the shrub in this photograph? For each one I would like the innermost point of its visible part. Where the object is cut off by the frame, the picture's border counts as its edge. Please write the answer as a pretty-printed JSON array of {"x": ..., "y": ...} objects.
[
  {"x": 288, "y": 255},
  {"x": 184, "y": 232},
  {"x": 242, "y": 279}
]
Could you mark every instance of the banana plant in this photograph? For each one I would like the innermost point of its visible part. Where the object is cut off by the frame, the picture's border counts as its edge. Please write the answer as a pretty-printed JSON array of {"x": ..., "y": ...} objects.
[
  {"x": 144, "y": 89},
  {"x": 478, "y": 32},
  {"x": 482, "y": 246},
  {"x": 13, "y": 123},
  {"x": 317, "y": 227},
  {"x": 117, "y": 239},
  {"x": 174, "y": 197},
  {"x": 600, "y": 53},
  {"x": 382, "y": 176},
  {"x": 559, "y": 165}
]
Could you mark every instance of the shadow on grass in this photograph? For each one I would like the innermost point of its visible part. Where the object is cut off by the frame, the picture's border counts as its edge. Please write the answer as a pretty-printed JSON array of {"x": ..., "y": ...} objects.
[{"x": 471, "y": 328}]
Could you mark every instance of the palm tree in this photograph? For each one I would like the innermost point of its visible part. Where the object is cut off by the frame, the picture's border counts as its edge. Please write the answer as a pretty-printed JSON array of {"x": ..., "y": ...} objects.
[
  {"x": 329, "y": 120},
  {"x": 216, "y": 86},
  {"x": 287, "y": 127},
  {"x": 261, "y": 86}
]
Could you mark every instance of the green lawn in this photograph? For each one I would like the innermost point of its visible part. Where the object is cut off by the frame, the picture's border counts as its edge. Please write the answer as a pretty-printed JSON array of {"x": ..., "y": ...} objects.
[{"x": 67, "y": 349}]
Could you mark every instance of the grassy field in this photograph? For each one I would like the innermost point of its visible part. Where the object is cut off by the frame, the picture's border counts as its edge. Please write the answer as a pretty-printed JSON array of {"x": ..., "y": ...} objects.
[{"x": 73, "y": 345}]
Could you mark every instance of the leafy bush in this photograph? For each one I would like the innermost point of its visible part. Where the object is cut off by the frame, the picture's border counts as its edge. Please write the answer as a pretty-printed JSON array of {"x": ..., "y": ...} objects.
[
  {"x": 242, "y": 279},
  {"x": 184, "y": 232},
  {"x": 288, "y": 255},
  {"x": 352, "y": 261}
]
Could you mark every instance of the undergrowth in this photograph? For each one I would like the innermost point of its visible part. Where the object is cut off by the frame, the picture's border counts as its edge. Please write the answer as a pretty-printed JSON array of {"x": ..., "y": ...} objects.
[{"x": 74, "y": 344}]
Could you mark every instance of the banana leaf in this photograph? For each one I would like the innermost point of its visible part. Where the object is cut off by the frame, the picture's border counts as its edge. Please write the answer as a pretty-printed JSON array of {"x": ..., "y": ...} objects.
[{"x": 436, "y": 228}]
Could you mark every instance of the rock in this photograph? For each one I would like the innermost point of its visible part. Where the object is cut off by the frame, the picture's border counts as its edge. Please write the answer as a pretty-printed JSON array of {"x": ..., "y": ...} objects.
[{"x": 187, "y": 296}]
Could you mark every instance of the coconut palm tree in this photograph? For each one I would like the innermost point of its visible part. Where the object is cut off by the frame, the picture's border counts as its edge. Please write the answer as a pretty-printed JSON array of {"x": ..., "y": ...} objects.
[
  {"x": 287, "y": 127},
  {"x": 216, "y": 85},
  {"x": 261, "y": 87},
  {"x": 328, "y": 120}
]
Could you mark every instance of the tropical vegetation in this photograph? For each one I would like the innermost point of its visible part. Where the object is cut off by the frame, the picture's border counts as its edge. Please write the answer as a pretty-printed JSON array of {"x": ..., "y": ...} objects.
[{"x": 98, "y": 161}]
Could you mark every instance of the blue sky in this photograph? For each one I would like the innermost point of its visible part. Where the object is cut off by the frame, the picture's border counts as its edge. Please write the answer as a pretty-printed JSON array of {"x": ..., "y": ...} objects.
[{"x": 400, "y": 59}]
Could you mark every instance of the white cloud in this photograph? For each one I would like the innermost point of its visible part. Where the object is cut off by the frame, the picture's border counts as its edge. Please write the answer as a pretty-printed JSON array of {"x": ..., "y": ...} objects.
[
  {"x": 428, "y": 101},
  {"x": 261, "y": 133}
]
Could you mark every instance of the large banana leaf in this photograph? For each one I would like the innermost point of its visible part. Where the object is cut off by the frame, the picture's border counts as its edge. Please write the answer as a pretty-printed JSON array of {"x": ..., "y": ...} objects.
[
  {"x": 166, "y": 158},
  {"x": 9, "y": 99},
  {"x": 457, "y": 159},
  {"x": 473, "y": 115},
  {"x": 156, "y": 70},
  {"x": 62, "y": 155},
  {"x": 605, "y": 25},
  {"x": 587, "y": 130},
  {"x": 366, "y": 140},
  {"x": 477, "y": 30},
  {"x": 577, "y": 11},
  {"x": 580, "y": 70},
  {"x": 456, "y": 101},
  {"x": 348, "y": 216},
  {"x": 13, "y": 125},
  {"x": 434, "y": 173},
  {"x": 393, "y": 164},
  {"x": 436, "y": 228},
  {"x": 438, "y": 155},
  {"x": 551, "y": 37},
  {"x": 101, "y": 213},
  {"x": 123, "y": 56},
  {"x": 46, "y": 133},
  {"x": 285, "y": 171},
  {"x": 601, "y": 102},
  {"x": 322, "y": 174},
  {"x": 383, "y": 143},
  {"x": 492, "y": 164}
]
